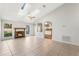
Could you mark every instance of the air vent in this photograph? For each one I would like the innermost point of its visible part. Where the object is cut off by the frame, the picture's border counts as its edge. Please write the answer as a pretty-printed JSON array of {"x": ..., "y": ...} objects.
[{"x": 66, "y": 38}]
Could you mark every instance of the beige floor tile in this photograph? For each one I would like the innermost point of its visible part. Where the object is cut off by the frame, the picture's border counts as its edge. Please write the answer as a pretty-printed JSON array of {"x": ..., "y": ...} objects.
[{"x": 35, "y": 46}]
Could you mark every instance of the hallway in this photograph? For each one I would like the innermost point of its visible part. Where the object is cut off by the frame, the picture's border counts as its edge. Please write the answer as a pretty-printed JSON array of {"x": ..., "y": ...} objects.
[{"x": 35, "y": 46}]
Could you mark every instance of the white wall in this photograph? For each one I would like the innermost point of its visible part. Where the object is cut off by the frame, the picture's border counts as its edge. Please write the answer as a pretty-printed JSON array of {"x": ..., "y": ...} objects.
[
  {"x": 31, "y": 29},
  {"x": 0, "y": 29},
  {"x": 65, "y": 21}
]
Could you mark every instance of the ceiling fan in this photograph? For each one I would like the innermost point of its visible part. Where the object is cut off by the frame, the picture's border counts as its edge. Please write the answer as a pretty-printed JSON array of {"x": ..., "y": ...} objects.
[{"x": 31, "y": 17}]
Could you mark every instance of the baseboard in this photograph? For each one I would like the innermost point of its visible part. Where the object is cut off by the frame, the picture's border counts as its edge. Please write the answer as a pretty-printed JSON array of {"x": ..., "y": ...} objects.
[{"x": 68, "y": 42}]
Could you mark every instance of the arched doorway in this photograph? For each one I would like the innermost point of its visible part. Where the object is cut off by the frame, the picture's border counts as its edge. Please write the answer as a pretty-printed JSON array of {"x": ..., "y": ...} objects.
[{"x": 47, "y": 30}]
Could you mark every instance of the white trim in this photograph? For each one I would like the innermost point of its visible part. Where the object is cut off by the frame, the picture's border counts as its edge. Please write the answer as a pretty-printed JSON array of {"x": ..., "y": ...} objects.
[{"x": 72, "y": 43}]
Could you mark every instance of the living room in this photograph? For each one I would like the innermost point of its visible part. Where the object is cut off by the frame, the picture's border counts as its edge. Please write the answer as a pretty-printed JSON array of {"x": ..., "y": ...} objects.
[{"x": 45, "y": 29}]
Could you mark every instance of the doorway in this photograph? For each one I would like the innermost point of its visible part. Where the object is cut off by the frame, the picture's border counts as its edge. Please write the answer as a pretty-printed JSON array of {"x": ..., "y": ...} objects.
[{"x": 47, "y": 30}]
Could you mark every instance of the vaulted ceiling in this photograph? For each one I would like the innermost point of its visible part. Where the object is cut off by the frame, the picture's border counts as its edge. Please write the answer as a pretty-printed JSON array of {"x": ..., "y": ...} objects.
[{"x": 32, "y": 11}]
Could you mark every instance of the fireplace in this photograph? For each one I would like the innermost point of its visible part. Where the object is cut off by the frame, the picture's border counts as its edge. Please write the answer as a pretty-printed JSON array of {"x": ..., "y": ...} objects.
[{"x": 19, "y": 32}]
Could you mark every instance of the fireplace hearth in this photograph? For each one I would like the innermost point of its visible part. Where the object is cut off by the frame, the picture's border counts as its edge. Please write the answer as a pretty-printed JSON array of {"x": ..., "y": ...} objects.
[{"x": 19, "y": 32}]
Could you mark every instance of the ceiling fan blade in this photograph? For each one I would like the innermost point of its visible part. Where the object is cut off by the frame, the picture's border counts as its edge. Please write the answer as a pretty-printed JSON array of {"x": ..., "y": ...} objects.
[{"x": 31, "y": 17}]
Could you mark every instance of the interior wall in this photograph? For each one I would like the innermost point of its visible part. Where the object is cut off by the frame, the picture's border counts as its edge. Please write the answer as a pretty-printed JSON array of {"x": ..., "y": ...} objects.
[
  {"x": 0, "y": 29},
  {"x": 65, "y": 21}
]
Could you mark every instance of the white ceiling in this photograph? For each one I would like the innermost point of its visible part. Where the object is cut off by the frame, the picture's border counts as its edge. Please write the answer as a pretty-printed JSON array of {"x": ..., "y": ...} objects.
[
  {"x": 44, "y": 10},
  {"x": 10, "y": 11}
]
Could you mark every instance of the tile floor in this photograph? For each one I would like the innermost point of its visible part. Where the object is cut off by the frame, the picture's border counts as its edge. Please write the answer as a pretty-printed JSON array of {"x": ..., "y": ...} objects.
[{"x": 33, "y": 46}]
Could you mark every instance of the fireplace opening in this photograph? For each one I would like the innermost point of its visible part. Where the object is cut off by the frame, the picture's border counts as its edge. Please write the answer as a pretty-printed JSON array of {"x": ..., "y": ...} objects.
[{"x": 19, "y": 32}]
